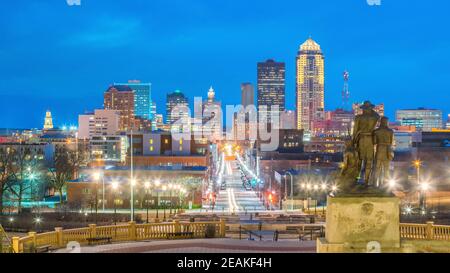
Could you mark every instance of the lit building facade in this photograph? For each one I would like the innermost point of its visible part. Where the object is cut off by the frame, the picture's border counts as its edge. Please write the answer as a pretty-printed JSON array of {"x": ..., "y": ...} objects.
[
  {"x": 423, "y": 119},
  {"x": 142, "y": 98},
  {"x": 121, "y": 98},
  {"x": 448, "y": 122},
  {"x": 176, "y": 100},
  {"x": 271, "y": 86},
  {"x": 101, "y": 122},
  {"x": 310, "y": 85},
  {"x": 379, "y": 108},
  {"x": 287, "y": 120},
  {"x": 108, "y": 148}
]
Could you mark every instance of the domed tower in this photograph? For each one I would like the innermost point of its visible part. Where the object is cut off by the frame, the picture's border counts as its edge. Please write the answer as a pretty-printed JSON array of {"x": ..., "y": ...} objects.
[
  {"x": 48, "y": 122},
  {"x": 211, "y": 94}
]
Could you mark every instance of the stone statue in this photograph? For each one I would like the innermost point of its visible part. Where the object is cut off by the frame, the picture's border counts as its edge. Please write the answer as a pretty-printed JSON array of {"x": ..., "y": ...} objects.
[
  {"x": 350, "y": 168},
  {"x": 383, "y": 139},
  {"x": 363, "y": 139}
]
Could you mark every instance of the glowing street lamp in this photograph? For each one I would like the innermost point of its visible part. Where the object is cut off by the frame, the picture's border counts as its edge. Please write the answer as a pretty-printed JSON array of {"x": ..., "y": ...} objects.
[
  {"x": 147, "y": 188},
  {"x": 115, "y": 187},
  {"x": 424, "y": 187},
  {"x": 392, "y": 183}
]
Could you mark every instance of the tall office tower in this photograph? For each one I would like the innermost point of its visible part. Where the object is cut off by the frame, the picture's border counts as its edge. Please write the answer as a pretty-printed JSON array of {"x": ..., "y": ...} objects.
[
  {"x": 247, "y": 94},
  {"x": 271, "y": 86},
  {"x": 423, "y": 119},
  {"x": 174, "y": 99},
  {"x": 121, "y": 98},
  {"x": 310, "y": 85},
  {"x": 142, "y": 98},
  {"x": 48, "y": 122}
]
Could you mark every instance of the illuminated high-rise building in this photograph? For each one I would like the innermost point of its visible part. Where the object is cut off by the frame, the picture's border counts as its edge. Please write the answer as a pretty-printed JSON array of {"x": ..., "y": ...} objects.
[
  {"x": 271, "y": 86},
  {"x": 48, "y": 122},
  {"x": 175, "y": 99},
  {"x": 142, "y": 98},
  {"x": 310, "y": 85},
  {"x": 121, "y": 98}
]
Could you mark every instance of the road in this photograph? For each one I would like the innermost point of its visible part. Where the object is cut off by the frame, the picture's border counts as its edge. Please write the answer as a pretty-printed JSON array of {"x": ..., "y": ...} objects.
[{"x": 235, "y": 198}]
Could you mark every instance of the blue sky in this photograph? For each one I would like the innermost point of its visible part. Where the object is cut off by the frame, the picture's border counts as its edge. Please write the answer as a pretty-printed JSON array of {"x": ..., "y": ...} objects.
[{"x": 60, "y": 57}]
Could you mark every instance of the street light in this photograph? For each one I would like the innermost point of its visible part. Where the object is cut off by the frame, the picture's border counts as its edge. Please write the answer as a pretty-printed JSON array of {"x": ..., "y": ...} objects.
[
  {"x": 164, "y": 188},
  {"x": 97, "y": 177},
  {"x": 292, "y": 189},
  {"x": 424, "y": 187},
  {"x": 157, "y": 184},
  {"x": 115, "y": 187},
  {"x": 171, "y": 187},
  {"x": 147, "y": 188},
  {"x": 392, "y": 183},
  {"x": 132, "y": 184}
]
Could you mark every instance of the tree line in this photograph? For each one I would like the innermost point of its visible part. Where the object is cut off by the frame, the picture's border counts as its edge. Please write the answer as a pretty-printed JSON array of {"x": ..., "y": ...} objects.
[{"x": 25, "y": 173}]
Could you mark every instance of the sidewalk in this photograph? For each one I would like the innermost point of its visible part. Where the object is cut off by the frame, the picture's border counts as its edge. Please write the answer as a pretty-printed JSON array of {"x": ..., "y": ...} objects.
[{"x": 202, "y": 246}]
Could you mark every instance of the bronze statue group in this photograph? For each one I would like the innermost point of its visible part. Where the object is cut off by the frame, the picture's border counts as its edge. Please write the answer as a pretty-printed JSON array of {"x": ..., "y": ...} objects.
[{"x": 368, "y": 154}]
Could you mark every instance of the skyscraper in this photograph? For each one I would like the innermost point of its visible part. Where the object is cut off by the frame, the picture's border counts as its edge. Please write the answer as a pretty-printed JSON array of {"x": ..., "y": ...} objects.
[
  {"x": 271, "y": 85},
  {"x": 247, "y": 94},
  {"x": 121, "y": 98},
  {"x": 310, "y": 85},
  {"x": 142, "y": 98},
  {"x": 175, "y": 99}
]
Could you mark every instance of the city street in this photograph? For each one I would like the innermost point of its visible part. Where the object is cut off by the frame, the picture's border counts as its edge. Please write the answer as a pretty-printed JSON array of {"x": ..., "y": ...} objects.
[{"x": 234, "y": 197}]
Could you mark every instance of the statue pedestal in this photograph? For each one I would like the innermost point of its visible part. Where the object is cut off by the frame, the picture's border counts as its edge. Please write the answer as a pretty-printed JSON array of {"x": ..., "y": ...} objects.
[{"x": 361, "y": 224}]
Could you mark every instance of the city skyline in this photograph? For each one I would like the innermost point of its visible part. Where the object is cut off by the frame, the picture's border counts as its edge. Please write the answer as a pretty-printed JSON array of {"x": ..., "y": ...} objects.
[{"x": 186, "y": 44}]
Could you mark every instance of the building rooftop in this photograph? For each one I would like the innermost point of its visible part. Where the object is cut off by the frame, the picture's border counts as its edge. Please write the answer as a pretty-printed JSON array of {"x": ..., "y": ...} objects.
[
  {"x": 120, "y": 88},
  {"x": 310, "y": 45}
]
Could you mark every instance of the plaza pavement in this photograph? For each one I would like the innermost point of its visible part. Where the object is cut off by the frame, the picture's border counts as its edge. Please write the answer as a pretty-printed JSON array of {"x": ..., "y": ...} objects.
[{"x": 201, "y": 246}]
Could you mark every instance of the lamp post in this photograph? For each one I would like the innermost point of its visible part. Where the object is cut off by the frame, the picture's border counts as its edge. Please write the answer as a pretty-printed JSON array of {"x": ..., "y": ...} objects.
[
  {"x": 164, "y": 188},
  {"x": 157, "y": 184},
  {"x": 424, "y": 187},
  {"x": 292, "y": 190},
  {"x": 170, "y": 197},
  {"x": 96, "y": 178},
  {"x": 308, "y": 187},
  {"x": 417, "y": 164},
  {"x": 131, "y": 179},
  {"x": 115, "y": 187},
  {"x": 147, "y": 188}
]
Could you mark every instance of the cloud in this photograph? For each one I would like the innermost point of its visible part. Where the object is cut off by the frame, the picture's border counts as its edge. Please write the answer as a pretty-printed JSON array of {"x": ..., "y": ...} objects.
[{"x": 106, "y": 32}]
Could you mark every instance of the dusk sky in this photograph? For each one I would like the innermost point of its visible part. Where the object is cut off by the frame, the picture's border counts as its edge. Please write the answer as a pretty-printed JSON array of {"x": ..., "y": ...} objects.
[{"x": 60, "y": 57}]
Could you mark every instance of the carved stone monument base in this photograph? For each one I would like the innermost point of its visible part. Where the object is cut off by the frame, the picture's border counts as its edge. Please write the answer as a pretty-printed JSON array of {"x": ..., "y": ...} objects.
[{"x": 361, "y": 224}]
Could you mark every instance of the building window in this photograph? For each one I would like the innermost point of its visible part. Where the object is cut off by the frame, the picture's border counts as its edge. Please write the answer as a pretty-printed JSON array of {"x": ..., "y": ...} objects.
[{"x": 151, "y": 148}]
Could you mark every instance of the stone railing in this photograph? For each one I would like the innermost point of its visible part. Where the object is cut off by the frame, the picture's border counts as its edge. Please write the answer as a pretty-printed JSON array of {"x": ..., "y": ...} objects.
[
  {"x": 118, "y": 233},
  {"x": 427, "y": 231}
]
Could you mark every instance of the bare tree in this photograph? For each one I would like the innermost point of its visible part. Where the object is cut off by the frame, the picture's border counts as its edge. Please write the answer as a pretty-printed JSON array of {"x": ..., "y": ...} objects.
[
  {"x": 67, "y": 163},
  {"x": 24, "y": 162},
  {"x": 5, "y": 165}
]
